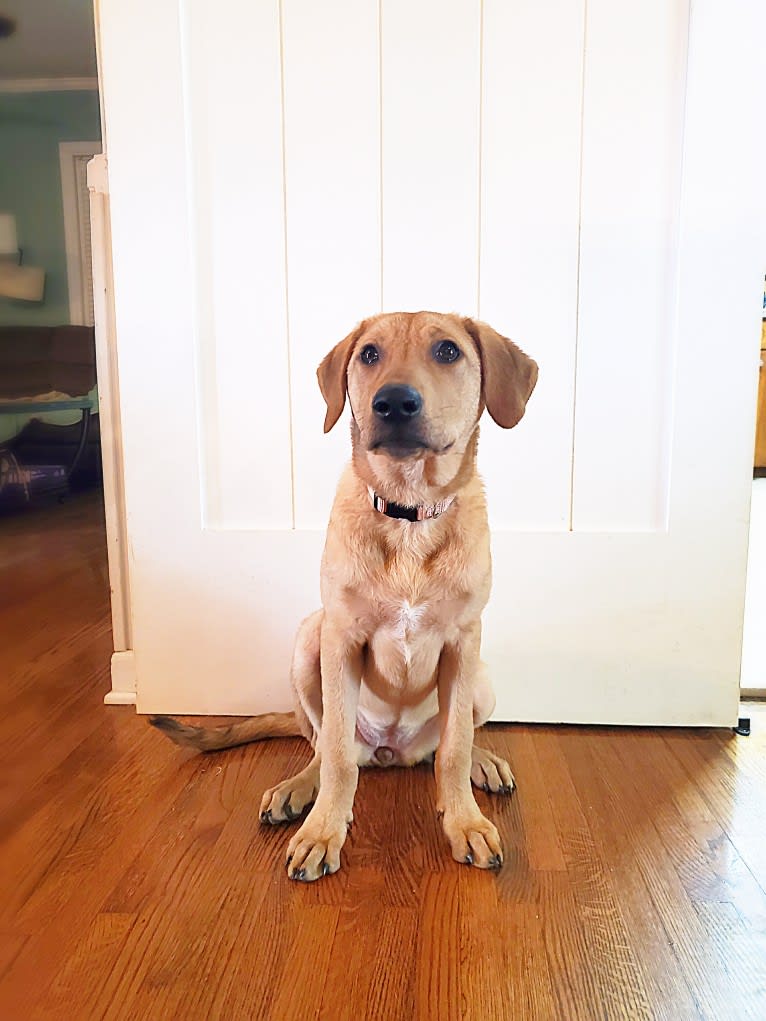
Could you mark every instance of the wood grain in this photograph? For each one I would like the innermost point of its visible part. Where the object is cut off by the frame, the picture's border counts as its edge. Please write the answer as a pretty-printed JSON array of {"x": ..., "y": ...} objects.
[
  {"x": 136, "y": 880},
  {"x": 760, "y": 423}
]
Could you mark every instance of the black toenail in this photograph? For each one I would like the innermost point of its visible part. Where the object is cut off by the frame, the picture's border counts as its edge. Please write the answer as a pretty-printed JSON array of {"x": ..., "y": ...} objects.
[
  {"x": 325, "y": 869},
  {"x": 266, "y": 816},
  {"x": 468, "y": 860},
  {"x": 289, "y": 812},
  {"x": 495, "y": 861},
  {"x": 486, "y": 788},
  {"x": 289, "y": 858}
]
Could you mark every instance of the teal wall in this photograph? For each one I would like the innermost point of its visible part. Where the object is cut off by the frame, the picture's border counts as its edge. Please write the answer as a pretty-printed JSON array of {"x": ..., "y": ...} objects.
[{"x": 31, "y": 127}]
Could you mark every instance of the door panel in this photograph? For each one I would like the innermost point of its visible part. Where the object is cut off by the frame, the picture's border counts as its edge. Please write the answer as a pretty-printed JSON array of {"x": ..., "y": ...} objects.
[
  {"x": 430, "y": 92},
  {"x": 633, "y": 105},
  {"x": 237, "y": 238},
  {"x": 332, "y": 207},
  {"x": 530, "y": 164}
]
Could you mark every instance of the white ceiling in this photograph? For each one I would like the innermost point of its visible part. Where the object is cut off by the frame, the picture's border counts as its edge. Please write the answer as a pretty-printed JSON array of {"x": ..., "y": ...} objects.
[{"x": 53, "y": 39}]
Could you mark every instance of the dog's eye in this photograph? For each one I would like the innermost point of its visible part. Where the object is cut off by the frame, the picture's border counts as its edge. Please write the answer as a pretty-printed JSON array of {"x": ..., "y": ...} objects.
[
  {"x": 446, "y": 351},
  {"x": 369, "y": 354}
]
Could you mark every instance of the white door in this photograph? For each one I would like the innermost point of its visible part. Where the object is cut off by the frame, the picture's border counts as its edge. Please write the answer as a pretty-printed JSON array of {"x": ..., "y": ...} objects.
[{"x": 586, "y": 178}]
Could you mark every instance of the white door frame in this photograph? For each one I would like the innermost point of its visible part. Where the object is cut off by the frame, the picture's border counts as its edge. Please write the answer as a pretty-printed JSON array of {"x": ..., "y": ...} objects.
[
  {"x": 122, "y": 667},
  {"x": 123, "y": 689},
  {"x": 78, "y": 314},
  {"x": 123, "y": 674}
]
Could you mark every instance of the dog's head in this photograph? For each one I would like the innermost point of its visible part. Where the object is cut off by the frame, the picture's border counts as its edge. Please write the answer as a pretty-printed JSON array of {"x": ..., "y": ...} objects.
[{"x": 418, "y": 382}]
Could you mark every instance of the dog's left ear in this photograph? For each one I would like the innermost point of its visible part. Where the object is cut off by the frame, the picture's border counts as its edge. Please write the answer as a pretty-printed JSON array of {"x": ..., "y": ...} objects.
[
  {"x": 332, "y": 376},
  {"x": 508, "y": 376}
]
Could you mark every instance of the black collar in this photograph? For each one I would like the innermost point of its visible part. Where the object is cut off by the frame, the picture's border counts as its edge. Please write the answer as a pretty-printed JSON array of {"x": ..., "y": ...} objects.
[{"x": 397, "y": 510}]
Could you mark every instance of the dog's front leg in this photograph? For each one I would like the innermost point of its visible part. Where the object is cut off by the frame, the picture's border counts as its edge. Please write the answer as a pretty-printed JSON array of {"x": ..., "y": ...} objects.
[
  {"x": 473, "y": 838},
  {"x": 314, "y": 851}
]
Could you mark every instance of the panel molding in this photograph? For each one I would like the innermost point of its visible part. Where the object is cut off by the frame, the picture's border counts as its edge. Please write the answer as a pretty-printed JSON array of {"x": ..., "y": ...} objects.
[
  {"x": 631, "y": 180},
  {"x": 233, "y": 112},
  {"x": 75, "y": 211},
  {"x": 431, "y": 90},
  {"x": 9, "y": 85},
  {"x": 529, "y": 245},
  {"x": 333, "y": 231}
]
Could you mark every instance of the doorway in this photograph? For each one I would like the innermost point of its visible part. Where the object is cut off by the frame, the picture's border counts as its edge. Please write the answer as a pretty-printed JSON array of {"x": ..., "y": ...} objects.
[
  {"x": 51, "y": 474},
  {"x": 753, "y": 676}
]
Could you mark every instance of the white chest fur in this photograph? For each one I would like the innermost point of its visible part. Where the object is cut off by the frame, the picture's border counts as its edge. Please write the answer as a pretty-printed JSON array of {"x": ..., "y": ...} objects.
[{"x": 407, "y": 622}]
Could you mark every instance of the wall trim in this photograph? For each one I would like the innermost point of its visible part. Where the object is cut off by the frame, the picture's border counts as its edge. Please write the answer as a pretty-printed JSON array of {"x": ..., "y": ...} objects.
[
  {"x": 120, "y": 697},
  {"x": 70, "y": 203},
  {"x": 49, "y": 84},
  {"x": 123, "y": 679},
  {"x": 110, "y": 422}
]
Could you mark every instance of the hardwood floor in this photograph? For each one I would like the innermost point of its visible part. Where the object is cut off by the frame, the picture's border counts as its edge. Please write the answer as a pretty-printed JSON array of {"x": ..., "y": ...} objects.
[{"x": 136, "y": 881}]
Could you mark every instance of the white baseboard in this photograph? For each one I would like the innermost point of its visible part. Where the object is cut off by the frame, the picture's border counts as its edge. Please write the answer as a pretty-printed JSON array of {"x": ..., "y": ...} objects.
[
  {"x": 120, "y": 698},
  {"x": 123, "y": 679}
]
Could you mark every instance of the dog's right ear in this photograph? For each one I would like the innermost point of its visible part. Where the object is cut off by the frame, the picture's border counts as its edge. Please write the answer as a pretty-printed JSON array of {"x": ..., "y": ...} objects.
[
  {"x": 332, "y": 376},
  {"x": 508, "y": 376}
]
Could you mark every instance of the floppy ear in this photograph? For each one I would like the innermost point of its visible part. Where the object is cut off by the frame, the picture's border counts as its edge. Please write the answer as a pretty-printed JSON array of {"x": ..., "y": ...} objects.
[
  {"x": 508, "y": 376},
  {"x": 332, "y": 376}
]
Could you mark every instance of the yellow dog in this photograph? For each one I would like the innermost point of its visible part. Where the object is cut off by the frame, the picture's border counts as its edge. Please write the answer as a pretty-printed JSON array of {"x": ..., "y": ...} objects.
[{"x": 388, "y": 671}]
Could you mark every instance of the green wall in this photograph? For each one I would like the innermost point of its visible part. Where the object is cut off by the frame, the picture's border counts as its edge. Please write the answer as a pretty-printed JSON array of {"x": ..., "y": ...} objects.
[{"x": 31, "y": 127}]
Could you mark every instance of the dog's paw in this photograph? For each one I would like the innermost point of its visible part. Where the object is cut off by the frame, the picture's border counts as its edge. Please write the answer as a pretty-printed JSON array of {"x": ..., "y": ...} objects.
[
  {"x": 289, "y": 799},
  {"x": 314, "y": 851},
  {"x": 473, "y": 839},
  {"x": 490, "y": 773}
]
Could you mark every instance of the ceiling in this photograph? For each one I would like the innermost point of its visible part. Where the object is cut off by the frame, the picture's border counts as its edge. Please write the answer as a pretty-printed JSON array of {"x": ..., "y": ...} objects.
[{"x": 53, "y": 39}]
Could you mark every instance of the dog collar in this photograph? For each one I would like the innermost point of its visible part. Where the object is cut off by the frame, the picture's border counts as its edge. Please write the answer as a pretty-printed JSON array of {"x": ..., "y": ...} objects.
[{"x": 397, "y": 510}]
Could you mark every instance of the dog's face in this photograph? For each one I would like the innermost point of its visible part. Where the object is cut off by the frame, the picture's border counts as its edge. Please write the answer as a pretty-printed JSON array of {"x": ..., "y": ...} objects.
[
  {"x": 414, "y": 385},
  {"x": 418, "y": 382}
]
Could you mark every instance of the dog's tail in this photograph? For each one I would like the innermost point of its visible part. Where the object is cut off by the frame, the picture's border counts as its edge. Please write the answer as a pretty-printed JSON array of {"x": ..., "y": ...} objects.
[{"x": 212, "y": 739}]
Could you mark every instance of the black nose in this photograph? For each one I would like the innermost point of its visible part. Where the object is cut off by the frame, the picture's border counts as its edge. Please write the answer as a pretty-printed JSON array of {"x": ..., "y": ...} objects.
[{"x": 397, "y": 402}]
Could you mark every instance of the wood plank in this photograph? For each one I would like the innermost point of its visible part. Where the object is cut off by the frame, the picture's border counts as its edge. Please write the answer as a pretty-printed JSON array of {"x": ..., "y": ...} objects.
[
  {"x": 370, "y": 971},
  {"x": 632, "y": 938},
  {"x": 11, "y": 944},
  {"x": 87, "y": 967},
  {"x": 438, "y": 991},
  {"x": 299, "y": 992},
  {"x": 727, "y": 790},
  {"x": 635, "y": 845},
  {"x": 543, "y": 847}
]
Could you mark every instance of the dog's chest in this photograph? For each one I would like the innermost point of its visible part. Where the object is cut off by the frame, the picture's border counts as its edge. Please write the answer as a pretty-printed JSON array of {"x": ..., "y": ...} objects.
[
  {"x": 405, "y": 634},
  {"x": 414, "y": 611},
  {"x": 400, "y": 629},
  {"x": 406, "y": 621}
]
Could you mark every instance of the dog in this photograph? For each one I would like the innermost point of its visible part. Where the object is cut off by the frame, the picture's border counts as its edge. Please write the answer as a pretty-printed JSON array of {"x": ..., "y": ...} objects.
[{"x": 388, "y": 671}]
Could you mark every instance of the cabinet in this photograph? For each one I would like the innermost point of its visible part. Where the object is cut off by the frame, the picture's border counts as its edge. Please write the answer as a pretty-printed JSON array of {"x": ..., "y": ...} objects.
[{"x": 760, "y": 428}]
